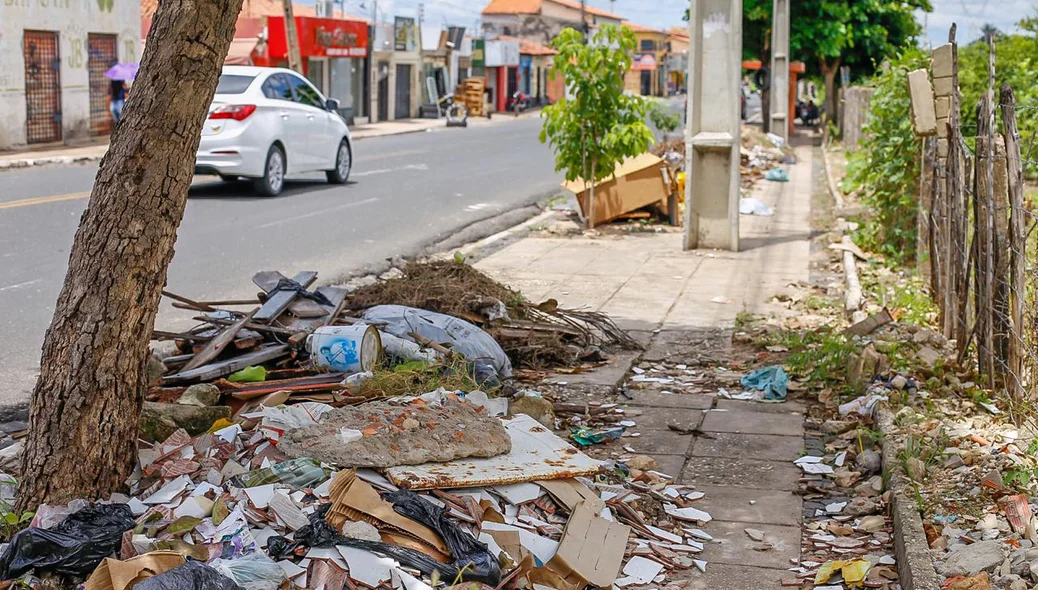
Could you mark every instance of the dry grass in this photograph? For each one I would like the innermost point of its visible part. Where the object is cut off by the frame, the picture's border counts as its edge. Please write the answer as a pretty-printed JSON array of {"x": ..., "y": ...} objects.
[{"x": 416, "y": 378}]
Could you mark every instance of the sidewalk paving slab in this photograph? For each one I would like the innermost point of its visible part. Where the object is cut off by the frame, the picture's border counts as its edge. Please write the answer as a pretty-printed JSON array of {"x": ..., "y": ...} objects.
[
  {"x": 747, "y": 421},
  {"x": 732, "y": 546},
  {"x": 737, "y": 577},
  {"x": 734, "y": 504},
  {"x": 659, "y": 442},
  {"x": 765, "y": 447},
  {"x": 740, "y": 472},
  {"x": 657, "y": 418},
  {"x": 665, "y": 400}
]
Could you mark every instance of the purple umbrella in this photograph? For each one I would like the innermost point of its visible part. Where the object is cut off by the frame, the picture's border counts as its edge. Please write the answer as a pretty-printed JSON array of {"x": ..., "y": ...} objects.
[{"x": 122, "y": 71}]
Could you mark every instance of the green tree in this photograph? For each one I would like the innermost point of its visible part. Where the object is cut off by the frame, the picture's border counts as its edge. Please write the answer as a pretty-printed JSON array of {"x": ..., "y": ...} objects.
[{"x": 597, "y": 125}]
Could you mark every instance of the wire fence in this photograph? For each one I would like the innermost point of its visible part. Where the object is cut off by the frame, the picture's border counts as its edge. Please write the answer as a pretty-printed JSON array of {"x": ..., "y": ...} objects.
[{"x": 980, "y": 231}]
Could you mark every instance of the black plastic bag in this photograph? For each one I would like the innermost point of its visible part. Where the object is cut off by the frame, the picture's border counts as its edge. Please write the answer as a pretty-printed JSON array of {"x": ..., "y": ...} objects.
[
  {"x": 193, "y": 575},
  {"x": 480, "y": 567},
  {"x": 466, "y": 549},
  {"x": 74, "y": 547}
]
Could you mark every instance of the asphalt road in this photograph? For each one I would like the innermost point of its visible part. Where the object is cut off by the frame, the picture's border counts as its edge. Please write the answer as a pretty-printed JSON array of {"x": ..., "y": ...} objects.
[{"x": 405, "y": 192}]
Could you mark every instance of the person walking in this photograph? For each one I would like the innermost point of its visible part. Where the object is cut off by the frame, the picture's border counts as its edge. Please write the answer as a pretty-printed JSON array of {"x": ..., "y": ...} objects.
[{"x": 118, "y": 99}]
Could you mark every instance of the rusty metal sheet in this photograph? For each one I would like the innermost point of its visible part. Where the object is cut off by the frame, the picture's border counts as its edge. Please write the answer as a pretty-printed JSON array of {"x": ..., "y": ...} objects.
[{"x": 537, "y": 454}]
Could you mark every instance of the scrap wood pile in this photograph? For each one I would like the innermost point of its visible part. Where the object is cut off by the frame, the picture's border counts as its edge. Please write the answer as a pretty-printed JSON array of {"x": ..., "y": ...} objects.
[
  {"x": 441, "y": 324},
  {"x": 507, "y": 505}
]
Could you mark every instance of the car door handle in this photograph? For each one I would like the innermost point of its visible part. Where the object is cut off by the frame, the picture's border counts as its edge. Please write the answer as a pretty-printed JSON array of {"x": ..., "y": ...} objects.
[
  {"x": 284, "y": 116},
  {"x": 310, "y": 117}
]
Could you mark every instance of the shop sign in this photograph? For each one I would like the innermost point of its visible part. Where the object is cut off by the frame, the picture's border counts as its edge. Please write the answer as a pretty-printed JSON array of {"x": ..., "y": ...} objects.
[
  {"x": 404, "y": 34},
  {"x": 319, "y": 37}
]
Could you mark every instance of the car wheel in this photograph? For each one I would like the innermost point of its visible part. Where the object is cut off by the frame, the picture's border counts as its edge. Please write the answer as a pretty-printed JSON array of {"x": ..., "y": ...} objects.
[
  {"x": 343, "y": 164},
  {"x": 273, "y": 179},
  {"x": 227, "y": 178}
]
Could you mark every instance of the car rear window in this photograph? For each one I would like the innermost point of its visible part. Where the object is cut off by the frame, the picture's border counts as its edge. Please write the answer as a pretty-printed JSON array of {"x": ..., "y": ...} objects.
[{"x": 233, "y": 83}]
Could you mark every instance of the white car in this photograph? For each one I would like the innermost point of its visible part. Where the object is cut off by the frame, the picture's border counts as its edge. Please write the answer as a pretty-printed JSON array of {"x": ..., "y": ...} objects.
[{"x": 266, "y": 123}]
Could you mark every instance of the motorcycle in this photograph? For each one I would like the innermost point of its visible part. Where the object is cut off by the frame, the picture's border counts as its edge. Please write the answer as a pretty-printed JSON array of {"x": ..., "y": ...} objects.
[
  {"x": 808, "y": 113},
  {"x": 519, "y": 103}
]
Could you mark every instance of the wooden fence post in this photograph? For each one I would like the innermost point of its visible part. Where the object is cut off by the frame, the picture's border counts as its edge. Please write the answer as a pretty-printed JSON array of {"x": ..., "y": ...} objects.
[{"x": 1017, "y": 243}]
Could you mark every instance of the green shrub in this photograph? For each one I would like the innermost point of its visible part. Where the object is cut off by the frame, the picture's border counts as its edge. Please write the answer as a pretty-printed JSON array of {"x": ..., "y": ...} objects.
[{"x": 885, "y": 170}]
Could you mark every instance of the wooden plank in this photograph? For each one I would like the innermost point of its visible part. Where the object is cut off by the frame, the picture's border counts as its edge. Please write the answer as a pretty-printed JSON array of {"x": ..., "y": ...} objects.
[
  {"x": 163, "y": 335},
  {"x": 228, "y": 302},
  {"x": 276, "y": 305},
  {"x": 224, "y": 368},
  {"x": 190, "y": 303},
  {"x": 250, "y": 325},
  {"x": 218, "y": 344}
]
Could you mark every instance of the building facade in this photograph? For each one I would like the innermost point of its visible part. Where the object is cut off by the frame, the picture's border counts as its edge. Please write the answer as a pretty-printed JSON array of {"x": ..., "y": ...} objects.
[
  {"x": 53, "y": 56},
  {"x": 648, "y": 73},
  {"x": 539, "y": 21}
]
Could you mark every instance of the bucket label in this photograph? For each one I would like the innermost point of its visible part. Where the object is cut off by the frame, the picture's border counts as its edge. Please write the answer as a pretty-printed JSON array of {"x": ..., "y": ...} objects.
[{"x": 341, "y": 354}]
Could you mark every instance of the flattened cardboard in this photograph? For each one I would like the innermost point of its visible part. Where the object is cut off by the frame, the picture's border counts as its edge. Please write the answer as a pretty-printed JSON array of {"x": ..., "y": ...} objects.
[
  {"x": 114, "y": 574},
  {"x": 571, "y": 492},
  {"x": 636, "y": 182},
  {"x": 355, "y": 499},
  {"x": 591, "y": 551}
]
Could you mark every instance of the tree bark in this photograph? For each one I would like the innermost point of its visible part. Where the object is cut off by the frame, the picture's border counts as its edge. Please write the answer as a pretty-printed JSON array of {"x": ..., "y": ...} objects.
[
  {"x": 87, "y": 402},
  {"x": 829, "y": 71}
]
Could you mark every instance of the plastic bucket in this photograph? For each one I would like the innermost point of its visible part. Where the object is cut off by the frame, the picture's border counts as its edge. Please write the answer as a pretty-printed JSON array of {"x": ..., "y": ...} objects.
[{"x": 346, "y": 349}]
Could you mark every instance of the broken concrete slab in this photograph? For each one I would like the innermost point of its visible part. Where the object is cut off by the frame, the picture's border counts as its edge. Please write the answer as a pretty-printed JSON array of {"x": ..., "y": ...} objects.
[
  {"x": 200, "y": 394},
  {"x": 382, "y": 435},
  {"x": 160, "y": 420}
]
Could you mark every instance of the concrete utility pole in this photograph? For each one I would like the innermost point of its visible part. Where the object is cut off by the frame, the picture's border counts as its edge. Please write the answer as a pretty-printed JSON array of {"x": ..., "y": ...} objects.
[
  {"x": 780, "y": 115},
  {"x": 295, "y": 62},
  {"x": 373, "y": 93},
  {"x": 713, "y": 124}
]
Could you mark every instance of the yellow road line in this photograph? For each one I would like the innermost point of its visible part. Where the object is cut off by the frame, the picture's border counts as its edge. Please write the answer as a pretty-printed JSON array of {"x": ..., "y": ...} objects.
[{"x": 44, "y": 200}]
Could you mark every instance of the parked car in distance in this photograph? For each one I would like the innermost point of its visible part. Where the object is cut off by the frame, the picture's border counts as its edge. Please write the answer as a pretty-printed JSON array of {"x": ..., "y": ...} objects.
[{"x": 267, "y": 123}]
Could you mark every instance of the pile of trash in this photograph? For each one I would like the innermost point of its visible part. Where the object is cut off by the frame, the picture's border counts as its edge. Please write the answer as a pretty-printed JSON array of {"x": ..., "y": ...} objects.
[
  {"x": 245, "y": 505},
  {"x": 761, "y": 155},
  {"x": 534, "y": 336}
]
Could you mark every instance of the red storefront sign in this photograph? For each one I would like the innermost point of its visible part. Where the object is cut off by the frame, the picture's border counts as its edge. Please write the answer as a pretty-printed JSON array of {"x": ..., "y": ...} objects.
[{"x": 319, "y": 37}]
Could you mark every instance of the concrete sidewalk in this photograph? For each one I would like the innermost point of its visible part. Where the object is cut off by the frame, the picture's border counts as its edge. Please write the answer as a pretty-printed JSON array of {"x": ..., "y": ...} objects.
[
  {"x": 684, "y": 305},
  {"x": 96, "y": 151}
]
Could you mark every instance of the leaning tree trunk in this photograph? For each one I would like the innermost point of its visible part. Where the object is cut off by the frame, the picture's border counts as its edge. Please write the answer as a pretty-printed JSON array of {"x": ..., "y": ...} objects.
[{"x": 87, "y": 402}]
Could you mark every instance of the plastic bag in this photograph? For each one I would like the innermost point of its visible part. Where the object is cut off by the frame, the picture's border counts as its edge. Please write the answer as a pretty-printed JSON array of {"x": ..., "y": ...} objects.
[
  {"x": 773, "y": 381},
  {"x": 751, "y": 206},
  {"x": 297, "y": 473},
  {"x": 193, "y": 575},
  {"x": 74, "y": 547},
  {"x": 255, "y": 571},
  {"x": 490, "y": 361}
]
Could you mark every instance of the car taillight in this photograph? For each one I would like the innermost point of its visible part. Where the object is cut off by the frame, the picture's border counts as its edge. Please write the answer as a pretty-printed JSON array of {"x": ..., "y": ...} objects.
[{"x": 238, "y": 112}]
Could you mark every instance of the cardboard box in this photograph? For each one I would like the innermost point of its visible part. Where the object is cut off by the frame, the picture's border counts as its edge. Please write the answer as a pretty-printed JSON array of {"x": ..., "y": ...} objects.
[{"x": 636, "y": 182}]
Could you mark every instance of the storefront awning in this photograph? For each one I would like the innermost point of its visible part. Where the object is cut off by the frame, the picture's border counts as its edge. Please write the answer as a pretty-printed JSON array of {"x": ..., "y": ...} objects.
[{"x": 240, "y": 52}]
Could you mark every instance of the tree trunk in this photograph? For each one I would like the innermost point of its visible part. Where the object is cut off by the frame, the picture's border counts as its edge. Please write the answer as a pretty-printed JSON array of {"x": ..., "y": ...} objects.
[
  {"x": 87, "y": 402},
  {"x": 829, "y": 71}
]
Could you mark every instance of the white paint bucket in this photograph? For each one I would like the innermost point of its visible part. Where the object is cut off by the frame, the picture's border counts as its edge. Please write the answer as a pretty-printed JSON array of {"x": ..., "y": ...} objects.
[{"x": 346, "y": 349}]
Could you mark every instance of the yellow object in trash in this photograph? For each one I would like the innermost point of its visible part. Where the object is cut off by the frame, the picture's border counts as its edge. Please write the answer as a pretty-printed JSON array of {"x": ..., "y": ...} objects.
[
  {"x": 853, "y": 572},
  {"x": 681, "y": 187}
]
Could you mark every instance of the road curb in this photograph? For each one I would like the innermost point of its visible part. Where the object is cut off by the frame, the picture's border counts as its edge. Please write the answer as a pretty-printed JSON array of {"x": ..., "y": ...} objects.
[
  {"x": 44, "y": 161},
  {"x": 914, "y": 563}
]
